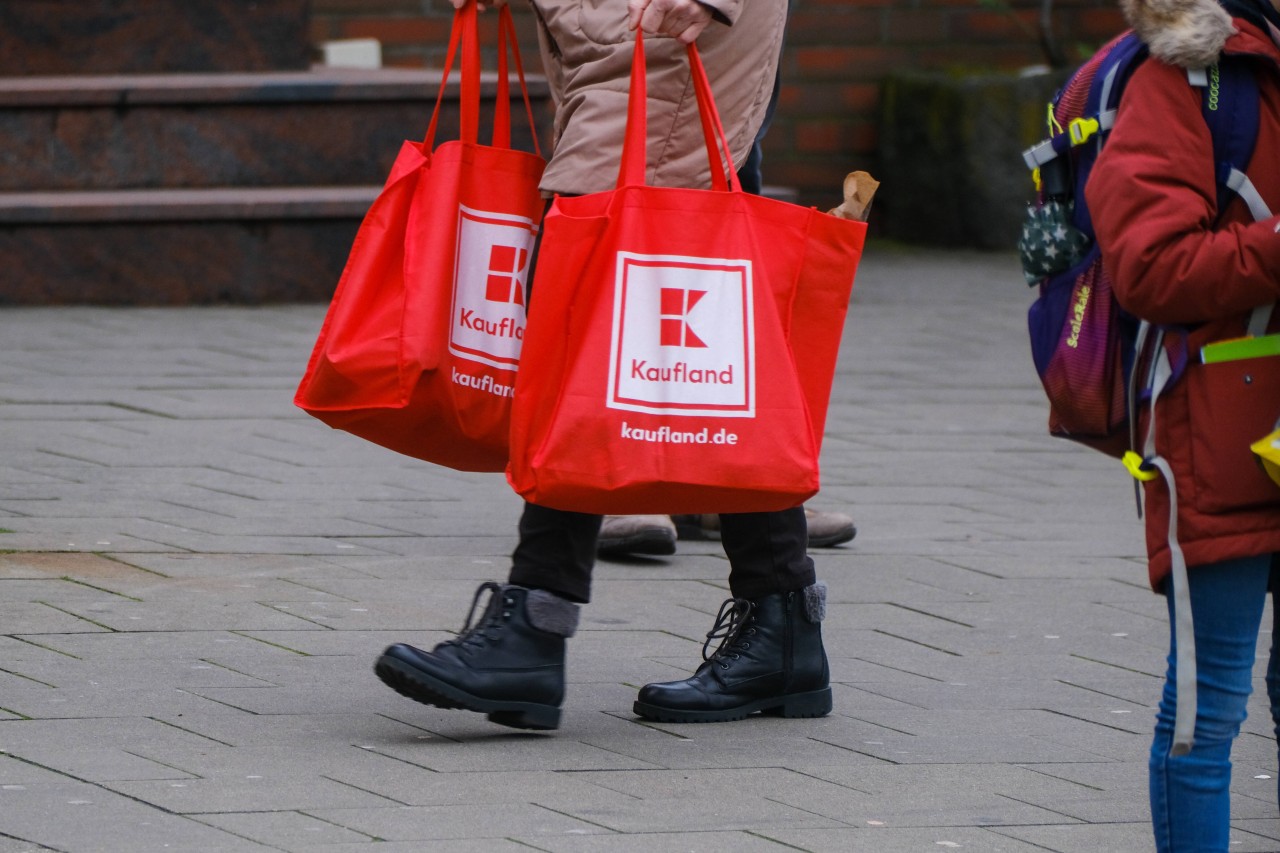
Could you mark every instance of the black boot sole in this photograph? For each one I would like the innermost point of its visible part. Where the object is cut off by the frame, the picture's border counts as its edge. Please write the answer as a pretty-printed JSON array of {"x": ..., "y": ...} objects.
[
  {"x": 815, "y": 703},
  {"x": 421, "y": 687}
]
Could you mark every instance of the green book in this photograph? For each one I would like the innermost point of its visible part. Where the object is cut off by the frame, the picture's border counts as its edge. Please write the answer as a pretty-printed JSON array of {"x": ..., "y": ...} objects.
[{"x": 1239, "y": 348}]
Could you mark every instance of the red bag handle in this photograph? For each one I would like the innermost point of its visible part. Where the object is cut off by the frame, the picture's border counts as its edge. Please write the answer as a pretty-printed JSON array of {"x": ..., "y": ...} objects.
[
  {"x": 465, "y": 34},
  {"x": 502, "y": 118},
  {"x": 632, "y": 168}
]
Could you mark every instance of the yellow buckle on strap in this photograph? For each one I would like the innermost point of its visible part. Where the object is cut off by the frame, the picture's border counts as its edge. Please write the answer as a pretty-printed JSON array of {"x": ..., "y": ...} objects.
[
  {"x": 1133, "y": 463},
  {"x": 1081, "y": 129}
]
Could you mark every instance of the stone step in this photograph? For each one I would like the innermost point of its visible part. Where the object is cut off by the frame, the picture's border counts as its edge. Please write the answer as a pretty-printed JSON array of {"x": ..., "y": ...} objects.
[
  {"x": 134, "y": 36},
  {"x": 317, "y": 127},
  {"x": 178, "y": 247},
  {"x": 184, "y": 205}
]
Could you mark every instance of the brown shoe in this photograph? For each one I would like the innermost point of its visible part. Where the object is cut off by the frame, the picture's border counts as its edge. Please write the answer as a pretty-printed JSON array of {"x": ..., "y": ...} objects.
[
  {"x": 653, "y": 535},
  {"x": 825, "y": 528}
]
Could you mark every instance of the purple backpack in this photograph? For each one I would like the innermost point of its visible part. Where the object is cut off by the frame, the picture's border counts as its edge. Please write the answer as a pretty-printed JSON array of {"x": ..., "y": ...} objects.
[{"x": 1083, "y": 343}]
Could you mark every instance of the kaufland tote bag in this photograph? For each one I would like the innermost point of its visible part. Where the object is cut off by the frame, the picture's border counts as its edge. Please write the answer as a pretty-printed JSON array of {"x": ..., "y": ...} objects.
[
  {"x": 418, "y": 351},
  {"x": 682, "y": 343}
]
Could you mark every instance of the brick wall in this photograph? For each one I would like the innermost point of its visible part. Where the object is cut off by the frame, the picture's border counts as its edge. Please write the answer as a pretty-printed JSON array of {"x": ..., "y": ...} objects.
[{"x": 836, "y": 55}]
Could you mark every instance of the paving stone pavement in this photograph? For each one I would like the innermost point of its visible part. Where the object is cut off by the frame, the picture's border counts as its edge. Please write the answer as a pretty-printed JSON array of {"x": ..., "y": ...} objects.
[{"x": 195, "y": 579}]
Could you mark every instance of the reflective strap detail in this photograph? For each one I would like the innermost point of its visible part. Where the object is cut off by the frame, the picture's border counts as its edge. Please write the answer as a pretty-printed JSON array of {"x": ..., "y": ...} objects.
[
  {"x": 1108, "y": 83},
  {"x": 1106, "y": 115},
  {"x": 1131, "y": 404},
  {"x": 1161, "y": 370},
  {"x": 1259, "y": 319},
  {"x": 1198, "y": 77},
  {"x": 1184, "y": 722},
  {"x": 1239, "y": 183},
  {"x": 1184, "y": 637},
  {"x": 1106, "y": 119}
]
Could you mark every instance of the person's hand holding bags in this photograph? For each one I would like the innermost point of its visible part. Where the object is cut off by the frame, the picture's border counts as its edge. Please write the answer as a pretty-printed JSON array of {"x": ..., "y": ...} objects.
[{"x": 681, "y": 19}]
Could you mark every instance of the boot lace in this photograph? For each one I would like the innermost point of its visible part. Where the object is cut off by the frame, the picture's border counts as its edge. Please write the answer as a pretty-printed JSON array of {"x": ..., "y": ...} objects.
[
  {"x": 731, "y": 629},
  {"x": 485, "y": 628}
]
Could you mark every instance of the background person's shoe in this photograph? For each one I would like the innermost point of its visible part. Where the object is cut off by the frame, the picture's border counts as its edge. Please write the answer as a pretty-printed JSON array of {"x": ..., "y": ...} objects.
[
  {"x": 637, "y": 534},
  {"x": 825, "y": 528}
]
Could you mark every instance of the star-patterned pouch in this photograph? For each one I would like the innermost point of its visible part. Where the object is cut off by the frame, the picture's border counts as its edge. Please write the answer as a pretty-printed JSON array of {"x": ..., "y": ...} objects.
[{"x": 1049, "y": 242}]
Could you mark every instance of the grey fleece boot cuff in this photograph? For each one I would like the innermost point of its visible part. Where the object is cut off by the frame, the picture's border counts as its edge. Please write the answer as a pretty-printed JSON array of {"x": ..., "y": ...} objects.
[
  {"x": 551, "y": 613},
  {"x": 815, "y": 601}
]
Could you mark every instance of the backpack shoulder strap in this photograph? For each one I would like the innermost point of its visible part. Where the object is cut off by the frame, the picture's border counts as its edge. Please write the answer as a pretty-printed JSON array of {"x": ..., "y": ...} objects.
[
  {"x": 1113, "y": 74},
  {"x": 1100, "y": 113},
  {"x": 1230, "y": 103}
]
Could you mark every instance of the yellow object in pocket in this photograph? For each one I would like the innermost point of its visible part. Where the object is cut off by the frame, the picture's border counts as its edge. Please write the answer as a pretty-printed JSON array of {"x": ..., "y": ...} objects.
[{"x": 1267, "y": 450}]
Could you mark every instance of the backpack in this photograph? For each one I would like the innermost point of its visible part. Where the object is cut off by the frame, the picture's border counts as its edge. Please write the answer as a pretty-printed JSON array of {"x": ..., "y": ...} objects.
[{"x": 1084, "y": 345}]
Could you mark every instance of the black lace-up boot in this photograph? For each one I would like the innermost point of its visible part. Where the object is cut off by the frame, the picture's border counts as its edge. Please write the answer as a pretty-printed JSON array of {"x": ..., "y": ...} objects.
[
  {"x": 509, "y": 665},
  {"x": 770, "y": 659}
]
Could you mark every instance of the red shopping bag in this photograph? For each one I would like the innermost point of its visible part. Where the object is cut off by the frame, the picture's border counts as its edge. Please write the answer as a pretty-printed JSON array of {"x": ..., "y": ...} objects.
[
  {"x": 418, "y": 351},
  {"x": 682, "y": 344}
]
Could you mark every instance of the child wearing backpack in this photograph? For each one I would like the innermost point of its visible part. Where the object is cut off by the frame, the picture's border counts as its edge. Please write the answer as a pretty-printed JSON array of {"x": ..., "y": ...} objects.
[{"x": 1205, "y": 276}]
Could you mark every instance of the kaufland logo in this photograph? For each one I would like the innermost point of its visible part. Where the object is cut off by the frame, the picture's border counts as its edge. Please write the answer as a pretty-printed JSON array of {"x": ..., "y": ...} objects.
[
  {"x": 683, "y": 336},
  {"x": 490, "y": 279},
  {"x": 676, "y": 304}
]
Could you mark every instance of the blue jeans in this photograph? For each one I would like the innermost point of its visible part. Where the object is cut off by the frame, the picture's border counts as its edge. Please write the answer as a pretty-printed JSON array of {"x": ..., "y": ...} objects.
[{"x": 1190, "y": 794}]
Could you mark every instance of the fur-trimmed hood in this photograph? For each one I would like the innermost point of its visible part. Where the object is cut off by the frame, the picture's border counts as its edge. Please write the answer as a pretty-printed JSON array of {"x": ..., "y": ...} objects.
[{"x": 1189, "y": 33}]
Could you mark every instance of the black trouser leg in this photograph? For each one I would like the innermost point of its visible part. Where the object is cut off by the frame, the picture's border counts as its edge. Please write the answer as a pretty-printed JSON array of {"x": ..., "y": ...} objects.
[
  {"x": 767, "y": 552},
  {"x": 556, "y": 552}
]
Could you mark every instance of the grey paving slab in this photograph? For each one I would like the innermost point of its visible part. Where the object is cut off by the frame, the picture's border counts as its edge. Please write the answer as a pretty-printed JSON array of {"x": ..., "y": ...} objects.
[
  {"x": 269, "y": 789},
  {"x": 699, "y": 842},
  {"x": 237, "y": 569},
  {"x": 445, "y": 823},
  {"x": 72, "y": 815},
  {"x": 331, "y": 734},
  {"x": 1108, "y": 837},
  {"x": 414, "y": 785},
  {"x": 195, "y": 578},
  {"x": 876, "y": 837},
  {"x": 90, "y": 701},
  {"x": 461, "y": 845},
  {"x": 286, "y": 830},
  {"x": 1257, "y": 833},
  {"x": 17, "y": 845},
  {"x": 703, "y": 814},
  {"x": 471, "y": 746},
  {"x": 138, "y": 649}
]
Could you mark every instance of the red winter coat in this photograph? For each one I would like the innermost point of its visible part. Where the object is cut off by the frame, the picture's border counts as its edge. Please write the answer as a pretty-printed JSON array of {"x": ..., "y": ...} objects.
[{"x": 1152, "y": 196}]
